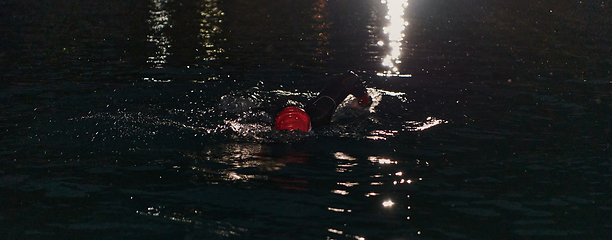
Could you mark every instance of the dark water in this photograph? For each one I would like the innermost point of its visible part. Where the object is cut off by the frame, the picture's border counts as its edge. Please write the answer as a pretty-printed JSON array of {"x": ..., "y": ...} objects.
[{"x": 150, "y": 119}]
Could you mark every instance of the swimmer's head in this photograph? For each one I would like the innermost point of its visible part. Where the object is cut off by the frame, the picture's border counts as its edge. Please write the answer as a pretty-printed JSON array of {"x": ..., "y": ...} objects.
[{"x": 292, "y": 118}]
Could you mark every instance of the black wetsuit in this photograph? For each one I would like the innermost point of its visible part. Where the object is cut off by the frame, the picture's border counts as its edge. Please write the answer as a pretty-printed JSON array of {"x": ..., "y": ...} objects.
[{"x": 321, "y": 109}]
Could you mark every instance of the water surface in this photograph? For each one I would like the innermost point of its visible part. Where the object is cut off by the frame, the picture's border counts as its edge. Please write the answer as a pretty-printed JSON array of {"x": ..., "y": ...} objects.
[{"x": 152, "y": 119}]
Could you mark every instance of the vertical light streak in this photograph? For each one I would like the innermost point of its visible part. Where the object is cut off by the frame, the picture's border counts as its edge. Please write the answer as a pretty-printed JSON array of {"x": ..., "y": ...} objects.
[
  {"x": 159, "y": 19},
  {"x": 209, "y": 27},
  {"x": 395, "y": 35}
]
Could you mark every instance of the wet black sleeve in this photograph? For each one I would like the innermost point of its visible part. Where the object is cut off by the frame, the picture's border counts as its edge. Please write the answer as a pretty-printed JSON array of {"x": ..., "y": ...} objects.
[{"x": 324, "y": 105}]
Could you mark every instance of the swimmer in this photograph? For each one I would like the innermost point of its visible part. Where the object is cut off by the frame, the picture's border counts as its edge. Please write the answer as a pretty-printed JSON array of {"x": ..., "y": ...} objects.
[{"x": 318, "y": 112}]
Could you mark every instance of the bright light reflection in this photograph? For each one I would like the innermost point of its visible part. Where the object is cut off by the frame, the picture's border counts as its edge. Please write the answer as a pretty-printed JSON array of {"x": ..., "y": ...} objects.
[
  {"x": 372, "y": 194},
  {"x": 388, "y": 203},
  {"x": 395, "y": 32},
  {"x": 380, "y": 160},
  {"x": 235, "y": 157},
  {"x": 381, "y": 134},
  {"x": 414, "y": 126},
  {"x": 209, "y": 27},
  {"x": 377, "y": 95},
  {"x": 340, "y": 192},
  {"x": 376, "y": 138},
  {"x": 401, "y": 181},
  {"x": 301, "y": 94},
  {"x": 335, "y": 209},
  {"x": 348, "y": 184},
  {"x": 159, "y": 20},
  {"x": 343, "y": 156}
]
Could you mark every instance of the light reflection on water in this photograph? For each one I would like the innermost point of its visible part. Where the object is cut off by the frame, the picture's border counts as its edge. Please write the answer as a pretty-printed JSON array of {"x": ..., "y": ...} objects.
[
  {"x": 209, "y": 48},
  {"x": 159, "y": 20},
  {"x": 238, "y": 157},
  {"x": 395, "y": 36},
  {"x": 376, "y": 189}
]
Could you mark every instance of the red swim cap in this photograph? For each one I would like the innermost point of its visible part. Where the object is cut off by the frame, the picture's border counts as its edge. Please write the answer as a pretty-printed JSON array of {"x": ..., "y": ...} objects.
[{"x": 292, "y": 118}]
